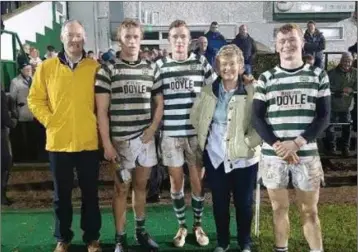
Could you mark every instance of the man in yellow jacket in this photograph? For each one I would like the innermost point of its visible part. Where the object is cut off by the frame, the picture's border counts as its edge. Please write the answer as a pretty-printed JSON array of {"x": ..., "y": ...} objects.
[{"x": 62, "y": 99}]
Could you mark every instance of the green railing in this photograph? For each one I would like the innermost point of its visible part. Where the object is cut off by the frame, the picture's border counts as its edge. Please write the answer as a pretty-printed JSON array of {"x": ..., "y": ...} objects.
[{"x": 9, "y": 65}]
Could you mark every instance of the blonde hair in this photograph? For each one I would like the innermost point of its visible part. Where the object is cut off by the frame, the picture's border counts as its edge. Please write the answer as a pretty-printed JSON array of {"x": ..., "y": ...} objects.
[
  {"x": 128, "y": 23},
  {"x": 229, "y": 51}
]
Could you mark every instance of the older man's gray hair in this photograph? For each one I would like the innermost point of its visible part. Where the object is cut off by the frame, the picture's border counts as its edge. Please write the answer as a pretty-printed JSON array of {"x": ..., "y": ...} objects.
[{"x": 71, "y": 21}]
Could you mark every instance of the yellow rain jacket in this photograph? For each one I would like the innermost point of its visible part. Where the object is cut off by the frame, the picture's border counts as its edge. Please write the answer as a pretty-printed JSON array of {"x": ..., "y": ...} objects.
[{"x": 63, "y": 100}]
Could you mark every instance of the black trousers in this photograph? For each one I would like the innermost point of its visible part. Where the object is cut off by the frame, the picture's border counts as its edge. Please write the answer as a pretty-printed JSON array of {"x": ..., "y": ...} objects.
[
  {"x": 6, "y": 160},
  {"x": 241, "y": 183},
  {"x": 342, "y": 117},
  {"x": 87, "y": 166}
]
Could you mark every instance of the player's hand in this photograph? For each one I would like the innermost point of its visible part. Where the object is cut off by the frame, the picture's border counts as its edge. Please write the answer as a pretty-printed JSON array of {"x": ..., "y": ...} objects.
[
  {"x": 148, "y": 135},
  {"x": 286, "y": 149},
  {"x": 347, "y": 91},
  {"x": 248, "y": 79},
  {"x": 293, "y": 159},
  {"x": 110, "y": 153}
]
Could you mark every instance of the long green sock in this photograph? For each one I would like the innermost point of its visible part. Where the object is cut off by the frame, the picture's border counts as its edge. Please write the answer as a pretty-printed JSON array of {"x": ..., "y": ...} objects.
[
  {"x": 197, "y": 204},
  {"x": 179, "y": 207}
]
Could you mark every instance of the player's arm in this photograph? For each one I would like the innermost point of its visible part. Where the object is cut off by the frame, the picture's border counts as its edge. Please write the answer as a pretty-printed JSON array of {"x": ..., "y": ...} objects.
[
  {"x": 209, "y": 73},
  {"x": 323, "y": 112},
  {"x": 103, "y": 91},
  {"x": 259, "y": 110},
  {"x": 157, "y": 94}
]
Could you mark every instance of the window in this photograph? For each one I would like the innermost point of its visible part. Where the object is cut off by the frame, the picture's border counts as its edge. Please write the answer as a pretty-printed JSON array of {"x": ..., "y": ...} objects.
[
  {"x": 165, "y": 35},
  {"x": 332, "y": 33},
  {"x": 151, "y": 35},
  {"x": 196, "y": 34}
]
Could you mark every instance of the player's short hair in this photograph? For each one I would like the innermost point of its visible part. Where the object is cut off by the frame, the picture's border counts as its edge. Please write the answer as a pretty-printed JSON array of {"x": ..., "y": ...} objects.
[
  {"x": 128, "y": 23},
  {"x": 178, "y": 23},
  {"x": 290, "y": 27}
]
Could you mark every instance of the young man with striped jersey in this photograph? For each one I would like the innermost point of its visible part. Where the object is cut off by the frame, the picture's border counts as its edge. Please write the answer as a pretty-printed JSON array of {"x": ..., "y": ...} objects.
[
  {"x": 182, "y": 76},
  {"x": 291, "y": 109},
  {"x": 125, "y": 90}
]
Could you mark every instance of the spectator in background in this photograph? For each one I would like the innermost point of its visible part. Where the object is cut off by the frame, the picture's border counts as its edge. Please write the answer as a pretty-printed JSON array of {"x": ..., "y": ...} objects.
[
  {"x": 34, "y": 58},
  {"x": 215, "y": 41},
  {"x": 308, "y": 59},
  {"x": 165, "y": 53},
  {"x": 353, "y": 51},
  {"x": 343, "y": 82},
  {"x": 315, "y": 43},
  {"x": 203, "y": 48},
  {"x": 90, "y": 54},
  {"x": 51, "y": 53},
  {"x": 2, "y": 25},
  {"x": 6, "y": 158},
  {"x": 146, "y": 54},
  {"x": 23, "y": 137},
  {"x": 247, "y": 45}
]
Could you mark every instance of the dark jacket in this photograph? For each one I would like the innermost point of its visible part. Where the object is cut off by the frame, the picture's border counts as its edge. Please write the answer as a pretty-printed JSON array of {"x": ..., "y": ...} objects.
[
  {"x": 6, "y": 121},
  {"x": 247, "y": 46},
  {"x": 338, "y": 81},
  {"x": 208, "y": 53},
  {"x": 215, "y": 41},
  {"x": 314, "y": 44}
]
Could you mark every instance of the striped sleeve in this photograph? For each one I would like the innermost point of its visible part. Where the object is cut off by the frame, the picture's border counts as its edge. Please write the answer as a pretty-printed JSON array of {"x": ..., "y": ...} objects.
[
  {"x": 209, "y": 73},
  {"x": 260, "y": 88},
  {"x": 103, "y": 80},
  {"x": 323, "y": 88},
  {"x": 157, "y": 85}
]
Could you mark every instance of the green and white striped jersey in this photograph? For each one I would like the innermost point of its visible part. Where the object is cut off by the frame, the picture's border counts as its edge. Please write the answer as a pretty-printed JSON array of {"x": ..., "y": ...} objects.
[
  {"x": 181, "y": 83},
  {"x": 290, "y": 99},
  {"x": 131, "y": 87}
]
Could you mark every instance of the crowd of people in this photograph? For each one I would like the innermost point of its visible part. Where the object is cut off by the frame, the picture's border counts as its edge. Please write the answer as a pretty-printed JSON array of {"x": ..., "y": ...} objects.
[{"x": 198, "y": 108}]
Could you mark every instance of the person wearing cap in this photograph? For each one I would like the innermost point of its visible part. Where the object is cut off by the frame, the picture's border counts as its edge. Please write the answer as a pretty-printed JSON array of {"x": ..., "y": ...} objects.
[
  {"x": 315, "y": 43},
  {"x": 23, "y": 136},
  {"x": 343, "y": 83}
]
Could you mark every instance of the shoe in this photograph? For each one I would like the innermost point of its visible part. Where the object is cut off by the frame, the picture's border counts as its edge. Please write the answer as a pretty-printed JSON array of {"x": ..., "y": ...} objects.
[
  {"x": 144, "y": 239},
  {"x": 5, "y": 201},
  {"x": 62, "y": 247},
  {"x": 119, "y": 248},
  {"x": 221, "y": 249},
  {"x": 346, "y": 152},
  {"x": 201, "y": 238},
  {"x": 179, "y": 239},
  {"x": 153, "y": 199},
  {"x": 332, "y": 151},
  {"x": 94, "y": 246}
]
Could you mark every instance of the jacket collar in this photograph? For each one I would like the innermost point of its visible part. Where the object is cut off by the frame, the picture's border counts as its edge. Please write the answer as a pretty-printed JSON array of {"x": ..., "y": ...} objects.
[
  {"x": 239, "y": 91},
  {"x": 62, "y": 57}
]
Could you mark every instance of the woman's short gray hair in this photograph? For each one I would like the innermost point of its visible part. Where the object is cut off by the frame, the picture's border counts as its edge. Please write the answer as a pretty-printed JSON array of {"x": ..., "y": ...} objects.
[{"x": 230, "y": 51}]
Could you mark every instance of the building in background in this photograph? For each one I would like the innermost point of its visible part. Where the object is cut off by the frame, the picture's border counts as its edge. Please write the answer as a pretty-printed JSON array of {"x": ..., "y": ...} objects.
[{"x": 263, "y": 19}]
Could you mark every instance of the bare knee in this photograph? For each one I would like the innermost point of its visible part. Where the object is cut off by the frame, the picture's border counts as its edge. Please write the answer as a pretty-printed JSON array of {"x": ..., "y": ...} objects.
[
  {"x": 280, "y": 209},
  {"x": 176, "y": 179},
  {"x": 121, "y": 190},
  {"x": 140, "y": 185},
  {"x": 309, "y": 214}
]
